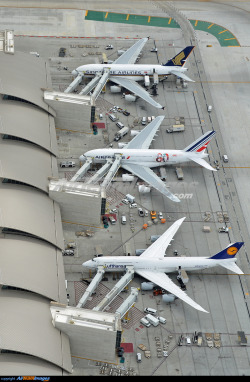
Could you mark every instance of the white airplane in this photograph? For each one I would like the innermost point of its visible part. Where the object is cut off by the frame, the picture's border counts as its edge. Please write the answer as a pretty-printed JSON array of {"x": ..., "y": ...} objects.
[
  {"x": 137, "y": 158},
  {"x": 152, "y": 263},
  {"x": 124, "y": 72}
]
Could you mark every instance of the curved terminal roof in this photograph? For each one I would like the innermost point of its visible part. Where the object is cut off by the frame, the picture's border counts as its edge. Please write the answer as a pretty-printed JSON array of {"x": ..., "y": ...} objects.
[
  {"x": 28, "y": 210},
  {"x": 26, "y": 327},
  {"x": 22, "y": 364},
  {"x": 28, "y": 122},
  {"x": 32, "y": 265},
  {"x": 24, "y": 76},
  {"x": 27, "y": 163}
]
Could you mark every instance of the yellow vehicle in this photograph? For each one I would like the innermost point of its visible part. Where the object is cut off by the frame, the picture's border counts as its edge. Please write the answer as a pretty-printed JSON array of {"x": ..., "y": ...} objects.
[{"x": 153, "y": 214}]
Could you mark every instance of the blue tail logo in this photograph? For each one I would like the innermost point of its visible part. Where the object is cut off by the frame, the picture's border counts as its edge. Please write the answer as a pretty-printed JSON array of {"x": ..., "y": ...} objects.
[
  {"x": 180, "y": 58},
  {"x": 228, "y": 252}
]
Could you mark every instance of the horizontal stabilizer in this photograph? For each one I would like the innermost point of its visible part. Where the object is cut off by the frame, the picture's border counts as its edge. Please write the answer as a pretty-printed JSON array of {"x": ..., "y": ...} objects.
[
  {"x": 181, "y": 75},
  {"x": 231, "y": 266},
  {"x": 202, "y": 163}
]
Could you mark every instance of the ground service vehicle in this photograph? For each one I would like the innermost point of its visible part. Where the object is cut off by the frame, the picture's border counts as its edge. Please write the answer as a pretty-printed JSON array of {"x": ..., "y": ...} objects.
[
  {"x": 121, "y": 133},
  {"x": 112, "y": 117},
  {"x": 153, "y": 320},
  {"x": 130, "y": 198},
  {"x": 150, "y": 311},
  {"x": 162, "y": 320},
  {"x": 145, "y": 322},
  {"x": 67, "y": 164},
  {"x": 176, "y": 128},
  {"x": 179, "y": 173},
  {"x": 124, "y": 219},
  {"x": 120, "y": 125}
]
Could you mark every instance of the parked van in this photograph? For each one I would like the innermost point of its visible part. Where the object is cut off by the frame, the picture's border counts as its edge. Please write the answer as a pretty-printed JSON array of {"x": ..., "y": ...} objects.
[
  {"x": 124, "y": 219},
  {"x": 162, "y": 320},
  {"x": 209, "y": 108},
  {"x": 150, "y": 311},
  {"x": 120, "y": 125},
  {"x": 225, "y": 158},
  {"x": 138, "y": 357},
  {"x": 153, "y": 320},
  {"x": 143, "y": 120},
  {"x": 112, "y": 220},
  {"x": 145, "y": 322},
  {"x": 112, "y": 117}
]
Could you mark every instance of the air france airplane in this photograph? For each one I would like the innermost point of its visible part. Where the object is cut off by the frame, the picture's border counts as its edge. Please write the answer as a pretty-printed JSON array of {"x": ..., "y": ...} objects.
[
  {"x": 137, "y": 158},
  {"x": 124, "y": 72},
  {"x": 152, "y": 263}
]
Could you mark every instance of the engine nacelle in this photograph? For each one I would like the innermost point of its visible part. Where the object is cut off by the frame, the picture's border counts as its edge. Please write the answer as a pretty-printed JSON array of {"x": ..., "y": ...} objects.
[
  {"x": 168, "y": 297},
  {"x": 115, "y": 89},
  {"x": 130, "y": 97},
  {"x": 147, "y": 286}
]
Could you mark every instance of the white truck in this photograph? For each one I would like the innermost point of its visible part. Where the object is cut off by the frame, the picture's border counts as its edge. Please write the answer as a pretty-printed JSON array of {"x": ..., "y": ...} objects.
[
  {"x": 176, "y": 128},
  {"x": 179, "y": 173},
  {"x": 153, "y": 320},
  {"x": 121, "y": 133},
  {"x": 130, "y": 198}
]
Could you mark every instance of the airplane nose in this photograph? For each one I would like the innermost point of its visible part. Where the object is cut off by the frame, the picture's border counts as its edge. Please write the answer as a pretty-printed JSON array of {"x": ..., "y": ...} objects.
[
  {"x": 82, "y": 158},
  {"x": 74, "y": 72}
]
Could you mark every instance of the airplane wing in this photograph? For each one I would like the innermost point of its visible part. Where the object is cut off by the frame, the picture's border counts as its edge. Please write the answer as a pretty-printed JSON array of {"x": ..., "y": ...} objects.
[
  {"x": 158, "y": 248},
  {"x": 161, "y": 279},
  {"x": 130, "y": 56},
  {"x": 135, "y": 88},
  {"x": 151, "y": 178},
  {"x": 144, "y": 138}
]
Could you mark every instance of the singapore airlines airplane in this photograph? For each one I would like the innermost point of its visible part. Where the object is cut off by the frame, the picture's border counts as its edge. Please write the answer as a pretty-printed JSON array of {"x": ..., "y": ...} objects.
[
  {"x": 152, "y": 263},
  {"x": 124, "y": 72},
  {"x": 137, "y": 158}
]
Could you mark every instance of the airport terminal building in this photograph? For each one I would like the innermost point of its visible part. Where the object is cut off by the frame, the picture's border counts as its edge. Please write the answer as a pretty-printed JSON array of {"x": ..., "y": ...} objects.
[{"x": 31, "y": 263}]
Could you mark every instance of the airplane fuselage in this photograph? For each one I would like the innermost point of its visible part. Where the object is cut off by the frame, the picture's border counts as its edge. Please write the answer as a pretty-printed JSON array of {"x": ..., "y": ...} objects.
[
  {"x": 149, "y": 157},
  {"x": 166, "y": 265},
  {"x": 135, "y": 72}
]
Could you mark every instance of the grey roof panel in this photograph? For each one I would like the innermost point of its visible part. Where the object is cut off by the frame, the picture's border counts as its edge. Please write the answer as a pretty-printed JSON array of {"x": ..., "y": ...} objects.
[
  {"x": 26, "y": 209},
  {"x": 38, "y": 267},
  {"x": 28, "y": 122},
  {"x": 24, "y": 76},
  {"x": 26, "y": 327},
  {"x": 26, "y": 163}
]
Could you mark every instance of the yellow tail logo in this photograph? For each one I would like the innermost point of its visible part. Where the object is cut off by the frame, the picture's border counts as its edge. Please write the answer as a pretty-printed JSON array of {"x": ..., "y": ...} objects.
[{"x": 178, "y": 58}]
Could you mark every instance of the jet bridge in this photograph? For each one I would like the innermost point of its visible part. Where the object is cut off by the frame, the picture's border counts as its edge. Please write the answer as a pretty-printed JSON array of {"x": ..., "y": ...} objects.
[
  {"x": 116, "y": 290},
  {"x": 91, "y": 84},
  {"x": 128, "y": 303},
  {"x": 112, "y": 171},
  {"x": 74, "y": 83},
  {"x": 102, "y": 171},
  {"x": 92, "y": 287},
  {"x": 101, "y": 83},
  {"x": 82, "y": 171}
]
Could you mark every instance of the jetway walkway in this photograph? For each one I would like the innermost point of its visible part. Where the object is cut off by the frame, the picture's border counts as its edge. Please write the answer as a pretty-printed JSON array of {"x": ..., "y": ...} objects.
[
  {"x": 116, "y": 289},
  {"x": 82, "y": 171},
  {"x": 99, "y": 174},
  {"x": 92, "y": 287},
  {"x": 112, "y": 171},
  {"x": 128, "y": 303},
  {"x": 102, "y": 82},
  {"x": 91, "y": 84},
  {"x": 74, "y": 84}
]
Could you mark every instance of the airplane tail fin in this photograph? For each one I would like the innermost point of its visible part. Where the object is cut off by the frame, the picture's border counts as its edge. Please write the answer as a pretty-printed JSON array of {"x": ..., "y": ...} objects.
[
  {"x": 181, "y": 58},
  {"x": 201, "y": 143},
  {"x": 229, "y": 252}
]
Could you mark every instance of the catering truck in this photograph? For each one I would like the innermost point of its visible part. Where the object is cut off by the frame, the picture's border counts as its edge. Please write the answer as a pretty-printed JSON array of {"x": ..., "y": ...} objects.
[{"x": 121, "y": 133}]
